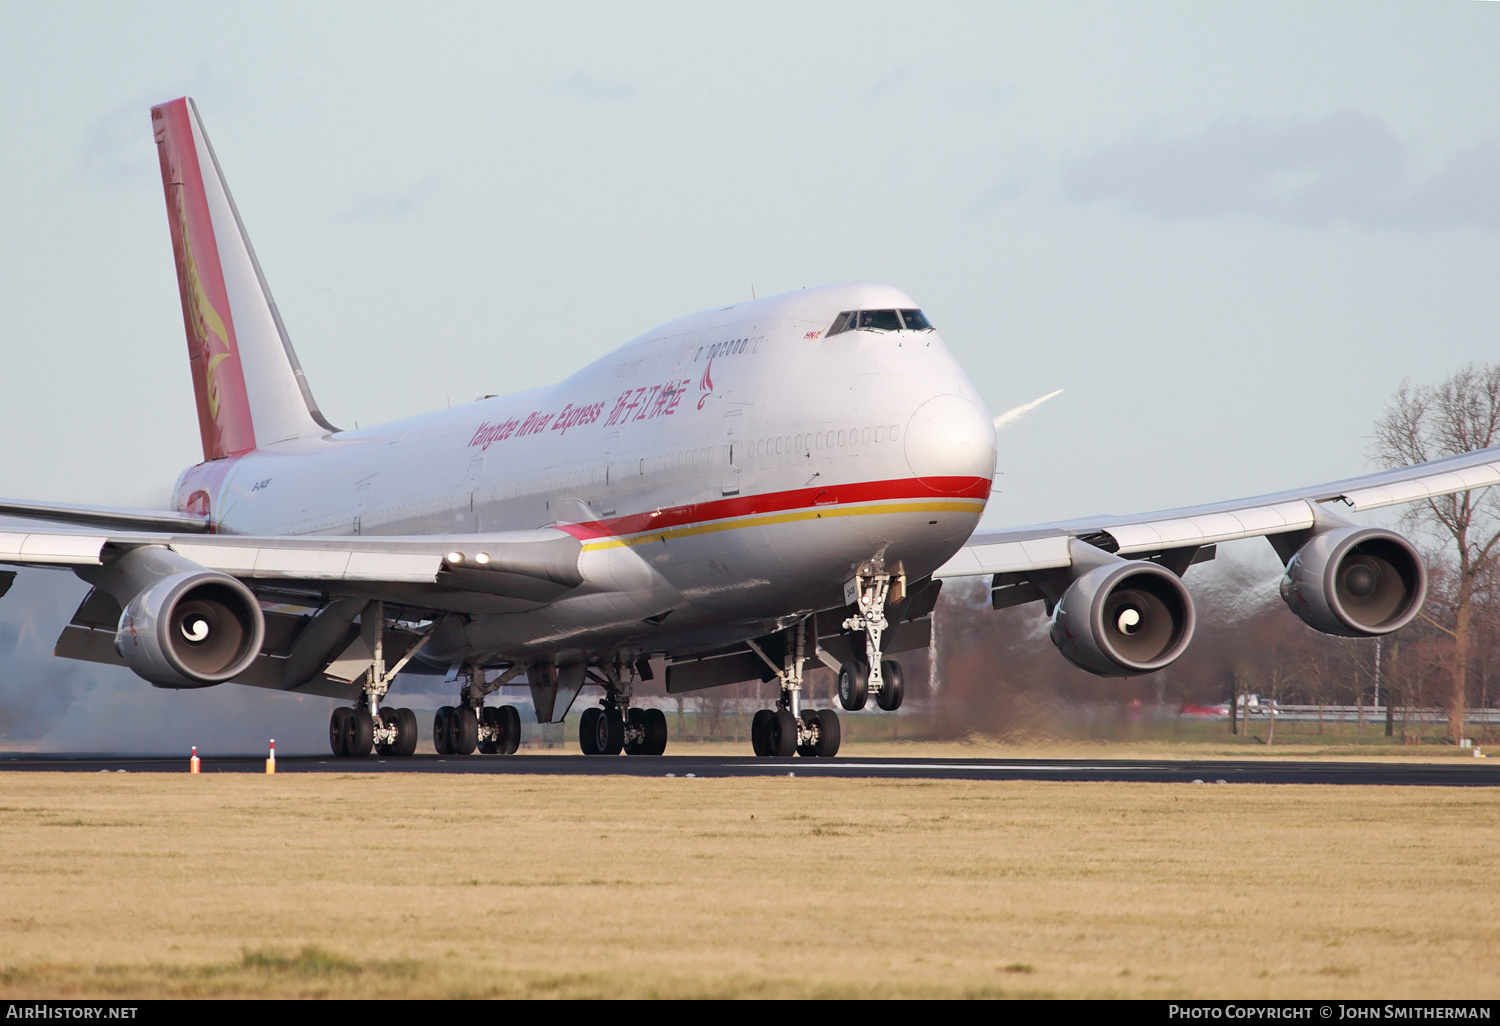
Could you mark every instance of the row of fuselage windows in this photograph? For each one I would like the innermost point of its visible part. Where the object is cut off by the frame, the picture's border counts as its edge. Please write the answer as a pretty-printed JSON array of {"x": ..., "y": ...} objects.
[
  {"x": 825, "y": 440},
  {"x": 880, "y": 320}
]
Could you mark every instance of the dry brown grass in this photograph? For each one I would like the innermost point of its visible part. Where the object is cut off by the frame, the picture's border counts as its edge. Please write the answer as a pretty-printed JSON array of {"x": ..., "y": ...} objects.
[{"x": 419, "y": 885}]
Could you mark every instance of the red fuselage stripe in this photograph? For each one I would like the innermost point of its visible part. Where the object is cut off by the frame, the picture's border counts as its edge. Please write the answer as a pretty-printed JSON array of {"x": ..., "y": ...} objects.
[{"x": 779, "y": 502}]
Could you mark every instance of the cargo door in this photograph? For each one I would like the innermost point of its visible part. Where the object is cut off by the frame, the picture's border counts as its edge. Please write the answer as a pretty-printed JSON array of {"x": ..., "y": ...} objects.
[{"x": 734, "y": 454}]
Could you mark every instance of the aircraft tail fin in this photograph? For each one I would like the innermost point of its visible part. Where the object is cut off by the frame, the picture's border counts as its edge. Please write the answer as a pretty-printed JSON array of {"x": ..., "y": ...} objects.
[{"x": 249, "y": 385}]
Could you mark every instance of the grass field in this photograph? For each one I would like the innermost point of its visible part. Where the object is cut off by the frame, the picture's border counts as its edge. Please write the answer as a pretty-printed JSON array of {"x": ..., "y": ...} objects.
[{"x": 418, "y": 885}]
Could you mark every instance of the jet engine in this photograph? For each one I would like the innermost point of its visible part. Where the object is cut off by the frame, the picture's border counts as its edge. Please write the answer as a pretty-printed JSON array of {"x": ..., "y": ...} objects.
[
  {"x": 1355, "y": 582},
  {"x": 1124, "y": 618},
  {"x": 183, "y": 625}
]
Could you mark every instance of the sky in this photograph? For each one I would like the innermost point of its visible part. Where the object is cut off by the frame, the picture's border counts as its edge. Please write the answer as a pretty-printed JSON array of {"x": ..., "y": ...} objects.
[{"x": 1226, "y": 231}]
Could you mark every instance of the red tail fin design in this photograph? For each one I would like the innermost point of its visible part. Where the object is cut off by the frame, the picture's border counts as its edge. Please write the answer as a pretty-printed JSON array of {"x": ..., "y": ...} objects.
[{"x": 218, "y": 379}]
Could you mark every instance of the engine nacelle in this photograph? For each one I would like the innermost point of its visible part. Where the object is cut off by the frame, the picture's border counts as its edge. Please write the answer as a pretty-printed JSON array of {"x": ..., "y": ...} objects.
[
  {"x": 1123, "y": 619},
  {"x": 1355, "y": 582},
  {"x": 183, "y": 625}
]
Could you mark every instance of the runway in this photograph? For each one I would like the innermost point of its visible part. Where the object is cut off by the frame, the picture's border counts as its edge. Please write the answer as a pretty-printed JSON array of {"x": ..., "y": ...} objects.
[{"x": 1478, "y": 773}]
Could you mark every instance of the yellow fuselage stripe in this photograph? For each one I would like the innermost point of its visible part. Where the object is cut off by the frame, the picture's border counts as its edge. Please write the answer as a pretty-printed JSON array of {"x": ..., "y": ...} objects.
[{"x": 818, "y": 513}]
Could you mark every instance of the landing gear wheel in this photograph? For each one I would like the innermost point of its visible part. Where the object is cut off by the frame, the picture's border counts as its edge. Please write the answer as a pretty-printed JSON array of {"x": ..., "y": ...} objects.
[
  {"x": 613, "y": 742},
  {"x": 406, "y": 733},
  {"x": 810, "y": 749},
  {"x": 510, "y": 729},
  {"x": 588, "y": 731},
  {"x": 783, "y": 734},
  {"x": 828, "y": 734},
  {"x": 359, "y": 733},
  {"x": 489, "y": 719},
  {"x": 760, "y": 731},
  {"x": 441, "y": 730},
  {"x": 389, "y": 719},
  {"x": 463, "y": 731},
  {"x": 656, "y": 732},
  {"x": 893, "y": 686},
  {"x": 336, "y": 728},
  {"x": 854, "y": 686}
]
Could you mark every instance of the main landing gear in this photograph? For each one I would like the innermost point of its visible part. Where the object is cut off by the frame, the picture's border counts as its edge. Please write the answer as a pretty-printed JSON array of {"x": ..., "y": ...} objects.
[
  {"x": 458, "y": 730},
  {"x": 391, "y": 732},
  {"x": 789, "y": 729},
  {"x": 613, "y": 726},
  {"x": 860, "y": 678}
]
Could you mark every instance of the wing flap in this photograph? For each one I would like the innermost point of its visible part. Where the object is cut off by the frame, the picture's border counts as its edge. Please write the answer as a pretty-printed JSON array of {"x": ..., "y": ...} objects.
[
  {"x": 1211, "y": 528},
  {"x": 51, "y": 549}
]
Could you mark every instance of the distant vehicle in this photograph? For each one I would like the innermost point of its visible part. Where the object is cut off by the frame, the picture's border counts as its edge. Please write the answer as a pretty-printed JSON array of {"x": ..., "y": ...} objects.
[{"x": 730, "y": 495}]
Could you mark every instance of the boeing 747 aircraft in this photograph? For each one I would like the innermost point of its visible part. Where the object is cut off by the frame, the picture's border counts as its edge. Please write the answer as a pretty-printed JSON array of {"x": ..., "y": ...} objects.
[{"x": 727, "y": 497}]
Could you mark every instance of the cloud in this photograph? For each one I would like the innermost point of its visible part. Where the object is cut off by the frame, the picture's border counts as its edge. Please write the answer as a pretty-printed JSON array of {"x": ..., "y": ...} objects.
[
  {"x": 580, "y": 85},
  {"x": 1346, "y": 167}
]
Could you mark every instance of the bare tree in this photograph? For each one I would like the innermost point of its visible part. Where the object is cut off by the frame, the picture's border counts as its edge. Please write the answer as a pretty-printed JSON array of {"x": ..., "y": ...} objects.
[{"x": 1429, "y": 422}]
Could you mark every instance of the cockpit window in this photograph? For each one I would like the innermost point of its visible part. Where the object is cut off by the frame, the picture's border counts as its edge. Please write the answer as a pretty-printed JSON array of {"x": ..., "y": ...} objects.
[{"x": 879, "y": 320}]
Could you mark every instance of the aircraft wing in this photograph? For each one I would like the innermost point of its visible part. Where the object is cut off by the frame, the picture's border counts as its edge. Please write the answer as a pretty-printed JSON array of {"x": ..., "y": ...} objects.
[
  {"x": 1046, "y": 546},
  {"x": 544, "y": 555},
  {"x": 311, "y": 589}
]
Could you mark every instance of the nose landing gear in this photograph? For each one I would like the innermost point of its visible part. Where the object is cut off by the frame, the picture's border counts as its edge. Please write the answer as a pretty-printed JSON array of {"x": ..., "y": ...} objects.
[{"x": 869, "y": 592}]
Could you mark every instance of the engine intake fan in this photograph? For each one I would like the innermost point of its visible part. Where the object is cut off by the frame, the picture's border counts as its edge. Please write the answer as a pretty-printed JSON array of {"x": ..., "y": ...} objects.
[
  {"x": 1355, "y": 582},
  {"x": 1124, "y": 618}
]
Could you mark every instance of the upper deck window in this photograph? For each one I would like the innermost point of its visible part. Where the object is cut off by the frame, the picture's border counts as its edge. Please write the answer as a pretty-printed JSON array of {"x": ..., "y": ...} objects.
[{"x": 880, "y": 320}]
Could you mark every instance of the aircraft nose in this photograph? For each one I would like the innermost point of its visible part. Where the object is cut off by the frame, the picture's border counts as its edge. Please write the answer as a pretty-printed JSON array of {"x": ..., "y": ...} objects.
[{"x": 949, "y": 437}]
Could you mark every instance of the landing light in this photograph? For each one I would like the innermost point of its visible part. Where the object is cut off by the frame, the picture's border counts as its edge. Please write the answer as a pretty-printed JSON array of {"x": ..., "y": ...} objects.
[
  {"x": 455, "y": 558},
  {"x": 482, "y": 558}
]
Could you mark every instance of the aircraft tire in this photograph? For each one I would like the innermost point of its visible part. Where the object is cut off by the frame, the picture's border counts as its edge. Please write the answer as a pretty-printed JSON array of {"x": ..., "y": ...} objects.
[
  {"x": 463, "y": 731},
  {"x": 614, "y": 723},
  {"x": 336, "y": 728},
  {"x": 406, "y": 733},
  {"x": 854, "y": 685},
  {"x": 441, "y": 723},
  {"x": 588, "y": 730},
  {"x": 760, "y": 731},
  {"x": 783, "y": 734},
  {"x": 656, "y": 732},
  {"x": 893, "y": 686},
  {"x": 809, "y": 750},
  {"x": 510, "y": 729},
  {"x": 829, "y": 733},
  {"x": 359, "y": 733}
]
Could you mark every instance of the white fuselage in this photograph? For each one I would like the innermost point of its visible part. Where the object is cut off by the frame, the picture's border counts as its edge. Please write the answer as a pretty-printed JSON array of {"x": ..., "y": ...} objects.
[{"x": 725, "y": 473}]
